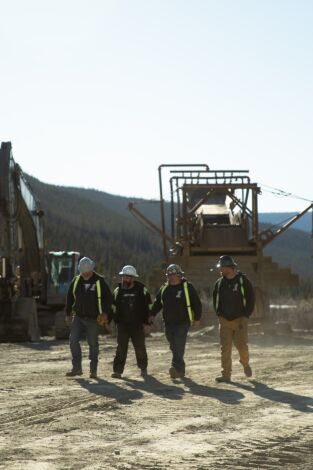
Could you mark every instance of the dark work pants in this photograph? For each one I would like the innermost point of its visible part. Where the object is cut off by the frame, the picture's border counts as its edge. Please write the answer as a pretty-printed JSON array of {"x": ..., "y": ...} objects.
[
  {"x": 176, "y": 335},
  {"x": 125, "y": 332}
]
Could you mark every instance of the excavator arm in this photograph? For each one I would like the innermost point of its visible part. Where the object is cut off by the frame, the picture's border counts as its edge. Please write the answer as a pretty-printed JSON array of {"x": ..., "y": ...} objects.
[{"x": 22, "y": 273}]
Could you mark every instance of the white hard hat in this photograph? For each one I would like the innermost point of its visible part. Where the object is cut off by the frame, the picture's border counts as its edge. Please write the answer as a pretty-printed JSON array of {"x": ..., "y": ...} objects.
[
  {"x": 128, "y": 270},
  {"x": 86, "y": 265},
  {"x": 174, "y": 269}
]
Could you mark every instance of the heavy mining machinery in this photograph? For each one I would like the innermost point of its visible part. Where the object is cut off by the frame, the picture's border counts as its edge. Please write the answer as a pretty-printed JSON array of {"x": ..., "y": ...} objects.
[
  {"x": 32, "y": 285},
  {"x": 215, "y": 212}
]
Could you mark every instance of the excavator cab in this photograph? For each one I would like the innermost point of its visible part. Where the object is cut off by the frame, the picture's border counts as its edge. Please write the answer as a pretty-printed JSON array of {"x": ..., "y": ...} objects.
[{"x": 62, "y": 267}]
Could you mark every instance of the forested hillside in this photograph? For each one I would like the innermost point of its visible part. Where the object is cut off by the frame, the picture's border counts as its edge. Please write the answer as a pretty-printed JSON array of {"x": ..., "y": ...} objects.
[
  {"x": 294, "y": 248},
  {"x": 99, "y": 225},
  {"x": 273, "y": 218}
]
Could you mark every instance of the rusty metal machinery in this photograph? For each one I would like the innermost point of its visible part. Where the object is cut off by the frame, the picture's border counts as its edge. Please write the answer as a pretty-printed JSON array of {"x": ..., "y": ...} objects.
[{"x": 215, "y": 212}]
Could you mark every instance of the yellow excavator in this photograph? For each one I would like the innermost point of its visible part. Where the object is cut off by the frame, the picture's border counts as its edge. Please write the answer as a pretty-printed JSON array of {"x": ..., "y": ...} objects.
[{"x": 33, "y": 284}]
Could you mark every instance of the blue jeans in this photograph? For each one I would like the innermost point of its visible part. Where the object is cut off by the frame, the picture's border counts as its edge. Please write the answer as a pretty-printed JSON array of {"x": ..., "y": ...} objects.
[
  {"x": 90, "y": 327},
  {"x": 176, "y": 335}
]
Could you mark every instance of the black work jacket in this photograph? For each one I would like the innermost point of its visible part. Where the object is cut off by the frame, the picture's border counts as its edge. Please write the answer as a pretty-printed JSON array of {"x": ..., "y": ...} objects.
[
  {"x": 228, "y": 297},
  {"x": 173, "y": 301},
  {"x": 84, "y": 302},
  {"x": 131, "y": 306}
]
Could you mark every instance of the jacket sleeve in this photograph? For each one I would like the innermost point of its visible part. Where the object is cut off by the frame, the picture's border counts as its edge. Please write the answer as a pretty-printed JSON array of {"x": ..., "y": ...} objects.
[
  {"x": 112, "y": 314},
  {"x": 106, "y": 298},
  {"x": 157, "y": 304},
  {"x": 215, "y": 296},
  {"x": 195, "y": 302},
  {"x": 70, "y": 299},
  {"x": 250, "y": 297},
  {"x": 147, "y": 305}
]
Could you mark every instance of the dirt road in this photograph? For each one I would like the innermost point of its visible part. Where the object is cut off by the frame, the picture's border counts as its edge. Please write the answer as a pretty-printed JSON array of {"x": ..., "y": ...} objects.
[{"x": 48, "y": 421}]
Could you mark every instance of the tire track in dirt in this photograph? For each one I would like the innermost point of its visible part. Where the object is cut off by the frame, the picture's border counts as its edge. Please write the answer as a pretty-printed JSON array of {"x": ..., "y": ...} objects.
[
  {"x": 211, "y": 438},
  {"x": 157, "y": 424},
  {"x": 271, "y": 453},
  {"x": 38, "y": 414}
]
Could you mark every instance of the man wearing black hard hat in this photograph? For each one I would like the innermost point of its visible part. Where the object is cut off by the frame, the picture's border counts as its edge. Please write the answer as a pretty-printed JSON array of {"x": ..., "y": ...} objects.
[
  {"x": 181, "y": 308},
  {"x": 233, "y": 300}
]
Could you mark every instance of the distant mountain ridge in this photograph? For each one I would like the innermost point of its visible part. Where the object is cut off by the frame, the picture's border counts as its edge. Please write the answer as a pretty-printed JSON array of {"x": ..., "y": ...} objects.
[
  {"x": 99, "y": 225},
  {"x": 304, "y": 223}
]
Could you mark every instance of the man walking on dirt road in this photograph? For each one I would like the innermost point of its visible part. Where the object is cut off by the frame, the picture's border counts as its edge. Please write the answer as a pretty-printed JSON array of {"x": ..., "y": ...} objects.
[
  {"x": 88, "y": 305},
  {"x": 131, "y": 309},
  {"x": 233, "y": 300},
  {"x": 181, "y": 309}
]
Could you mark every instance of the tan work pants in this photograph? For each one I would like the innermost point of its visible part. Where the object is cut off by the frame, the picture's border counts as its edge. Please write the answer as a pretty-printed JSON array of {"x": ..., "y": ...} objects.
[{"x": 233, "y": 331}]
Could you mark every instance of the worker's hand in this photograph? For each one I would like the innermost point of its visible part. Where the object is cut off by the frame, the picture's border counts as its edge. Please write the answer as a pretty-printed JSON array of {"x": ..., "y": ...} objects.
[
  {"x": 102, "y": 319},
  {"x": 108, "y": 327},
  {"x": 68, "y": 320},
  {"x": 105, "y": 318},
  {"x": 146, "y": 329},
  {"x": 196, "y": 323}
]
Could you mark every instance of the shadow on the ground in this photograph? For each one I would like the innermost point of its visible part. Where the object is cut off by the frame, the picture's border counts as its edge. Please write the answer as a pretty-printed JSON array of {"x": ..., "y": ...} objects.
[
  {"x": 109, "y": 389},
  {"x": 152, "y": 385},
  {"x": 44, "y": 344},
  {"x": 297, "y": 402},
  {"x": 230, "y": 397}
]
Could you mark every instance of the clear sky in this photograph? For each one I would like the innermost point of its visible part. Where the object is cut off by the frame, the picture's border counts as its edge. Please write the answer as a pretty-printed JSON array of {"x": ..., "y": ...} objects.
[{"x": 99, "y": 93}]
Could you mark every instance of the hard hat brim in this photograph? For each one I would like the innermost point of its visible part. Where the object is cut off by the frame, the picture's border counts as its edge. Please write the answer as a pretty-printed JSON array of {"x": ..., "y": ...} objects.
[
  {"x": 129, "y": 275},
  {"x": 220, "y": 265}
]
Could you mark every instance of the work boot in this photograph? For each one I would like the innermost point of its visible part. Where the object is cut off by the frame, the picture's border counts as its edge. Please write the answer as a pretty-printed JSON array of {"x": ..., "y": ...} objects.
[
  {"x": 144, "y": 373},
  {"x": 93, "y": 374},
  {"x": 116, "y": 375},
  {"x": 74, "y": 372},
  {"x": 174, "y": 374},
  {"x": 248, "y": 371},
  {"x": 222, "y": 379}
]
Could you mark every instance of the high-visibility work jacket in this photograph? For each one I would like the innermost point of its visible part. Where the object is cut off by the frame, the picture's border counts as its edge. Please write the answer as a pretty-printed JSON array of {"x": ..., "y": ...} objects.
[
  {"x": 131, "y": 305},
  {"x": 242, "y": 290},
  {"x": 98, "y": 289},
  {"x": 187, "y": 297}
]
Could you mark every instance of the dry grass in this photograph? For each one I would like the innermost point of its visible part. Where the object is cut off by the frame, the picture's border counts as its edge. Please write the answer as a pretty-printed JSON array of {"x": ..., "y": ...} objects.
[{"x": 297, "y": 312}]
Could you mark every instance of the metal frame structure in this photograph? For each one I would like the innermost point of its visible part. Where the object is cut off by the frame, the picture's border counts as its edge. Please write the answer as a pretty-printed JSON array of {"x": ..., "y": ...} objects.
[{"x": 185, "y": 178}]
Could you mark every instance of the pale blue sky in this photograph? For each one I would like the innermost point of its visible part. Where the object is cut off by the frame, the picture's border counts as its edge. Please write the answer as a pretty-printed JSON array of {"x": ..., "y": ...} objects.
[{"x": 99, "y": 93}]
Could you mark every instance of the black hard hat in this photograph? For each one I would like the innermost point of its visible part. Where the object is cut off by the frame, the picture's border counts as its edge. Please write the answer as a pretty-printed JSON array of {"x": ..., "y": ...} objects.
[{"x": 225, "y": 260}]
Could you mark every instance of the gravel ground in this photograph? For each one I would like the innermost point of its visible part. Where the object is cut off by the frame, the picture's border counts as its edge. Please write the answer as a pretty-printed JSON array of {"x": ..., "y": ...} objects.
[{"x": 48, "y": 421}]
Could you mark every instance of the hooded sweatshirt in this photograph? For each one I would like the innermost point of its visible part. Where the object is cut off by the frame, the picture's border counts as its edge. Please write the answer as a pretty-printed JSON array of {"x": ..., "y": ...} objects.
[
  {"x": 173, "y": 301},
  {"x": 229, "y": 295}
]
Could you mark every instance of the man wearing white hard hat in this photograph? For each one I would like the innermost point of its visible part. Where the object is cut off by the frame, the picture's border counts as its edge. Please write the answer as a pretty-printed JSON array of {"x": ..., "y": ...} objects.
[
  {"x": 131, "y": 307},
  {"x": 88, "y": 304}
]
